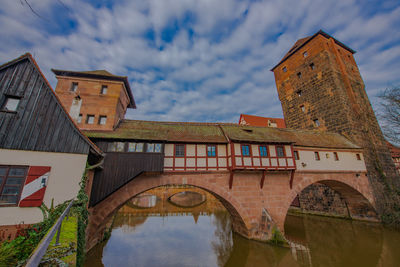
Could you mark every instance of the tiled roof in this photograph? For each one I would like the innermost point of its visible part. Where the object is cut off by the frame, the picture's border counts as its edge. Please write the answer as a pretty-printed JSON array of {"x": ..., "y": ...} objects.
[
  {"x": 301, "y": 42},
  {"x": 260, "y": 121},
  {"x": 219, "y": 132},
  {"x": 102, "y": 75},
  {"x": 394, "y": 150}
]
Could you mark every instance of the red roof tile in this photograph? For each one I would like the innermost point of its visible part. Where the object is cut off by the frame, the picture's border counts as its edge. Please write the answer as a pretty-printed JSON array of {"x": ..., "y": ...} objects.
[{"x": 252, "y": 120}]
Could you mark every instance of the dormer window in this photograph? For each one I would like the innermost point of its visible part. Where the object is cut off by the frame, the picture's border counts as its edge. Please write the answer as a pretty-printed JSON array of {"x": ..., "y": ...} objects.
[{"x": 74, "y": 87}]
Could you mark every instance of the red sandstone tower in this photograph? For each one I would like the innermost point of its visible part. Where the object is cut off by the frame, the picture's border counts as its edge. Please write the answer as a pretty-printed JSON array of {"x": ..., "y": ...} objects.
[
  {"x": 96, "y": 100},
  {"x": 320, "y": 87}
]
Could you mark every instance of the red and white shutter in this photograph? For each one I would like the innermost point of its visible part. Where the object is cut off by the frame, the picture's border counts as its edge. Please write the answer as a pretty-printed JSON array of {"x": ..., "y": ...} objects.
[{"x": 35, "y": 186}]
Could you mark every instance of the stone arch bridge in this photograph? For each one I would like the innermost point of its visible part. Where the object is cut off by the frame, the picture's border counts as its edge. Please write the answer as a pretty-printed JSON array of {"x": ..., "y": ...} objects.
[{"x": 255, "y": 209}]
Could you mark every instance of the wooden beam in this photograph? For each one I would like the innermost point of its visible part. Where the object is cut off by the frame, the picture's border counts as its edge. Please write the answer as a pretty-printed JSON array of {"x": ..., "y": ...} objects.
[
  {"x": 291, "y": 178},
  {"x": 262, "y": 180},
  {"x": 231, "y": 179}
]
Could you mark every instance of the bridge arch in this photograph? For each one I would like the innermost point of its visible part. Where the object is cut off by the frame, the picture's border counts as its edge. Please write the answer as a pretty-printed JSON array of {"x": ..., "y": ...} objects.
[
  {"x": 353, "y": 188},
  {"x": 102, "y": 212}
]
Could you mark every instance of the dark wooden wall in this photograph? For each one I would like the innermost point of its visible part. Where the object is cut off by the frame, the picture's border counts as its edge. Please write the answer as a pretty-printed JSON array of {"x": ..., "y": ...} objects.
[
  {"x": 121, "y": 167},
  {"x": 40, "y": 123}
]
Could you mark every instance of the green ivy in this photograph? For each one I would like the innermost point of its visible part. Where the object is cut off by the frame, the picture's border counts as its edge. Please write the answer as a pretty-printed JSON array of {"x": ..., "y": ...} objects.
[{"x": 83, "y": 214}]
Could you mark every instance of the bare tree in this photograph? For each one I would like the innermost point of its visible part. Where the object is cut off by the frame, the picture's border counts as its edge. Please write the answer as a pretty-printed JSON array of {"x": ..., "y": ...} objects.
[{"x": 390, "y": 113}]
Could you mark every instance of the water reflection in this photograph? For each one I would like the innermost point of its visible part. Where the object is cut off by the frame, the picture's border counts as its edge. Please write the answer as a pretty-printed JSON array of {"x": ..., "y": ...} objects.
[{"x": 170, "y": 235}]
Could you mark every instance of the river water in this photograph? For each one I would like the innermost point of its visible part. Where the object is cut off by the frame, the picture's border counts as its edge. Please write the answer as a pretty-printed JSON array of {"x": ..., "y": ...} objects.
[{"x": 164, "y": 234}]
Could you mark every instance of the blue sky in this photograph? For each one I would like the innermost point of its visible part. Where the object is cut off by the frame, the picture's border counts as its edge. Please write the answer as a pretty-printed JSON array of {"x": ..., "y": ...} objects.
[{"x": 199, "y": 60}]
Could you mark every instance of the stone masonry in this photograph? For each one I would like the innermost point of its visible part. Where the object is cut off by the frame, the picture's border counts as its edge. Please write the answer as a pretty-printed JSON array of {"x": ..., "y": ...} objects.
[{"x": 320, "y": 87}]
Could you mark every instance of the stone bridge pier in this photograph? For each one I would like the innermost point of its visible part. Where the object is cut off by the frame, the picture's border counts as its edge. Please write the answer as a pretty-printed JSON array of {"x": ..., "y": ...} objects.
[{"x": 254, "y": 211}]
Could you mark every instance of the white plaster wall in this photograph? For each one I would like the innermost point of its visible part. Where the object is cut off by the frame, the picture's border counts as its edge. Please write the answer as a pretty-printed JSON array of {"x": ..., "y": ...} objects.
[
  {"x": 179, "y": 162},
  {"x": 272, "y": 151},
  {"x": 255, "y": 150},
  {"x": 229, "y": 150},
  {"x": 282, "y": 162},
  {"x": 221, "y": 162},
  {"x": 168, "y": 162},
  {"x": 265, "y": 162},
  {"x": 63, "y": 184},
  {"x": 169, "y": 150},
  {"x": 201, "y": 162},
  {"x": 191, "y": 162},
  {"x": 190, "y": 150},
  {"x": 274, "y": 162},
  {"x": 237, "y": 149},
  {"x": 256, "y": 162},
  {"x": 247, "y": 161},
  {"x": 221, "y": 150},
  {"x": 201, "y": 150},
  {"x": 212, "y": 162},
  {"x": 288, "y": 151},
  {"x": 238, "y": 161},
  {"x": 347, "y": 161}
]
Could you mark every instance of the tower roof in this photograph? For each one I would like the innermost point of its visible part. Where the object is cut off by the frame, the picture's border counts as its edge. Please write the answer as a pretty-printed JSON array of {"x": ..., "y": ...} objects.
[
  {"x": 102, "y": 75},
  {"x": 303, "y": 41}
]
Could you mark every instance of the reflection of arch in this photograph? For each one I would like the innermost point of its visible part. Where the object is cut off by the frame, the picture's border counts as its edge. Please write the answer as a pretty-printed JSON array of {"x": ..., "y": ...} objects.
[
  {"x": 104, "y": 210},
  {"x": 358, "y": 201},
  {"x": 171, "y": 201}
]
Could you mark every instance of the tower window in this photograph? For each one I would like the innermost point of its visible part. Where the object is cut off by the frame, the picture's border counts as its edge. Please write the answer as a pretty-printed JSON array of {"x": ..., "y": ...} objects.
[
  {"x": 316, "y": 123},
  {"x": 316, "y": 155},
  {"x": 312, "y": 66},
  {"x": 305, "y": 54},
  {"x": 79, "y": 120},
  {"x": 103, "y": 89},
  {"x": 74, "y": 87},
  {"x": 102, "y": 120},
  {"x": 303, "y": 108},
  {"x": 284, "y": 69},
  {"x": 11, "y": 103},
  {"x": 299, "y": 74},
  {"x": 298, "y": 92},
  {"x": 90, "y": 119}
]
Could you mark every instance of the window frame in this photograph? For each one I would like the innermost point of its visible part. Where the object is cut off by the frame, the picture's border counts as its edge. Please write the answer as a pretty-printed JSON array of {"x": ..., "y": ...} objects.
[
  {"x": 316, "y": 123},
  {"x": 102, "y": 117},
  {"x": 104, "y": 89},
  {"x": 79, "y": 119},
  {"x": 283, "y": 151},
  {"x": 73, "y": 87},
  {"x": 87, "y": 118},
  {"x": 296, "y": 155},
  {"x": 358, "y": 156},
  {"x": 336, "y": 156},
  {"x": 5, "y": 101},
  {"x": 21, "y": 187},
  {"x": 215, "y": 151},
  {"x": 260, "y": 147},
  {"x": 284, "y": 69},
  {"x": 316, "y": 156},
  {"x": 183, "y": 152},
  {"x": 248, "y": 150}
]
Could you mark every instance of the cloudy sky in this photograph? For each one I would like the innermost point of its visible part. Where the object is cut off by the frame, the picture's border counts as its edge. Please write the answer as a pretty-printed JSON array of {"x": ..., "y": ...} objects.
[{"x": 198, "y": 60}]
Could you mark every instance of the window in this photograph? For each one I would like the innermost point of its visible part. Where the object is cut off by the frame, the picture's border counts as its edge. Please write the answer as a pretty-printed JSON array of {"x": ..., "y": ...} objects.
[
  {"x": 358, "y": 156},
  {"x": 103, "y": 90},
  {"x": 296, "y": 155},
  {"x": 136, "y": 147},
  {"x": 305, "y": 54},
  {"x": 280, "y": 152},
  {"x": 299, "y": 74},
  {"x": 153, "y": 148},
  {"x": 102, "y": 120},
  {"x": 303, "y": 108},
  {"x": 11, "y": 103},
  {"x": 316, "y": 123},
  {"x": 90, "y": 119},
  {"x": 12, "y": 179},
  {"x": 335, "y": 155},
  {"x": 79, "y": 120},
  {"x": 316, "y": 154},
  {"x": 298, "y": 92},
  {"x": 120, "y": 147},
  {"x": 74, "y": 87},
  {"x": 245, "y": 150},
  {"x": 150, "y": 148},
  {"x": 211, "y": 151},
  {"x": 284, "y": 69},
  {"x": 179, "y": 150},
  {"x": 263, "y": 151},
  {"x": 312, "y": 66},
  {"x": 116, "y": 147}
]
